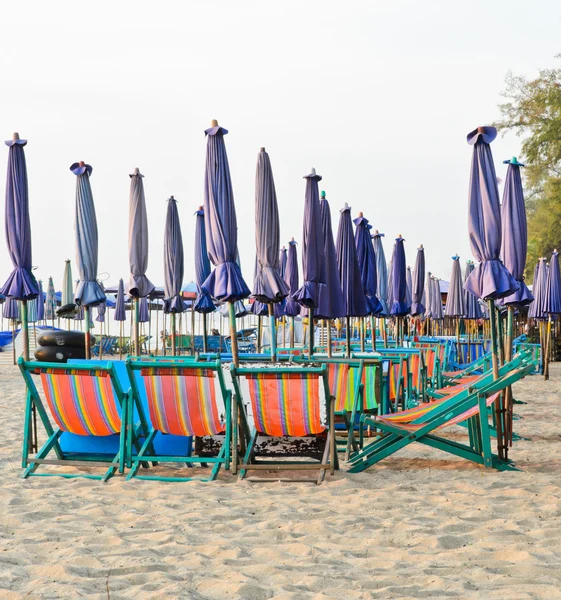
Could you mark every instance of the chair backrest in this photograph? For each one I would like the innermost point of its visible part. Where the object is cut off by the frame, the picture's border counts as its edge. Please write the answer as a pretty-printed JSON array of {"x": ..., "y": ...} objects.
[
  {"x": 184, "y": 398},
  {"x": 81, "y": 399},
  {"x": 287, "y": 401}
]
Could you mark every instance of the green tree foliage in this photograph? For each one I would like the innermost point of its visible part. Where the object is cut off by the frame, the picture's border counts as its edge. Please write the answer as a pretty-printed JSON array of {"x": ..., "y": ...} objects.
[{"x": 533, "y": 111}]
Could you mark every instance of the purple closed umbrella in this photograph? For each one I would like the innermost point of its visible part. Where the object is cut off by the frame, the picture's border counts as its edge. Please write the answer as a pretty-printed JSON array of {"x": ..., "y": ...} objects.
[
  {"x": 354, "y": 299},
  {"x": 173, "y": 267},
  {"x": 473, "y": 308},
  {"x": 490, "y": 279},
  {"x": 101, "y": 310},
  {"x": 514, "y": 243},
  {"x": 204, "y": 303},
  {"x": 21, "y": 283},
  {"x": 429, "y": 296},
  {"x": 418, "y": 283},
  {"x": 534, "y": 312},
  {"x": 366, "y": 257},
  {"x": 225, "y": 283},
  {"x": 143, "y": 313},
  {"x": 292, "y": 279},
  {"x": 279, "y": 307},
  {"x": 438, "y": 314},
  {"x": 409, "y": 287},
  {"x": 120, "y": 304},
  {"x": 455, "y": 302},
  {"x": 552, "y": 297},
  {"x": 381, "y": 272},
  {"x": 40, "y": 302},
  {"x": 398, "y": 281}
]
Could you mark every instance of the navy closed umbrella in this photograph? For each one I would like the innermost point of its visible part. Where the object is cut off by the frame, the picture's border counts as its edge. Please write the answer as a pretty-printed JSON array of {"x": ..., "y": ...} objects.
[
  {"x": 279, "y": 307},
  {"x": 21, "y": 283},
  {"x": 89, "y": 292},
  {"x": 313, "y": 263},
  {"x": 438, "y": 313},
  {"x": 139, "y": 286},
  {"x": 398, "y": 280},
  {"x": 381, "y": 272},
  {"x": 173, "y": 267},
  {"x": 473, "y": 308},
  {"x": 367, "y": 265},
  {"x": 292, "y": 308},
  {"x": 269, "y": 286},
  {"x": 354, "y": 299},
  {"x": 552, "y": 302},
  {"x": 331, "y": 303},
  {"x": 455, "y": 302},
  {"x": 408, "y": 287},
  {"x": 120, "y": 314},
  {"x": 225, "y": 283},
  {"x": 203, "y": 303},
  {"x": 40, "y": 302},
  {"x": 418, "y": 284}
]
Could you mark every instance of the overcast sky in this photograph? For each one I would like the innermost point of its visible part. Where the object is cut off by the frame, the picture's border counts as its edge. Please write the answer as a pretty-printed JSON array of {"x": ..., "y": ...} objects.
[{"x": 377, "y": 96}]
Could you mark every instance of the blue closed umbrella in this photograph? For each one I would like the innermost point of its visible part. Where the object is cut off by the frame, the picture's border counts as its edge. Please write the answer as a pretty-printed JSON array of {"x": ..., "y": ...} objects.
[
  {"x": 473, "y": 308},
  {"x": 292, "y": 279},
  {"x": 398, "y": 281},
  {"x": 120, "y": 314},
  {"x": 203, "y": 303},
  {"x": 552, "y": 299},
  {"x": 101, "y": 310},
  {"x": 40, "y": 302},
  {"x": 21, "y": 283},
  {"x": 408, "y": 287},
  {"x": 225, "y": 283},
  {"x": 381, "y": 272},
  {"x": 438, "y": 314},
  {"x": 455, "y": 301},
  {"x": 367, "y": 265},
  {"x": 418, "y": 283}
]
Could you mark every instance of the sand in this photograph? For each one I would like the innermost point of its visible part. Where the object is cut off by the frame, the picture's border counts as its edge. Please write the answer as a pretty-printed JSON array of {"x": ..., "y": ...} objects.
[{"x": 421, "y": 524}]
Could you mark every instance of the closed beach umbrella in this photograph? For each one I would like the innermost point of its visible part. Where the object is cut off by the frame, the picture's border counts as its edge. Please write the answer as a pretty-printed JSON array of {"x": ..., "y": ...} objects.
[
  {"x": 143, "y": 313},
  {"x": 50, "y": 301},
  {"x": 552, "y": 299},
  {"x": 21, "y": 283},
  {"x": 88, "y": 292},
  {"x": 381, "y": 272},
  {"x": 283, "y": 257},
  {"x": 438, "y": 314},
  {"x": 514, "y": 242},
  {"x": 203, "y": 303},
  {"x": 409, "y": 286},
  {"x": 354, "y": 299},
  {"x": 313, "y": 263},
  {"x": 120, "y": 314},
  {"x": 67, "y": 285},
  {"x": 367, "y": 265},
  {"x": 101, "y": 309},
  {"x": 139, "y": 285},
  {"x": 473, "y": 308},
  {"x": 269, "y": 286},
  {"x": 429, "y": 296},
  {"x": 225, "y": 283},
  {"x": 418, "y": 284},
  {"x": 292, "y": 279},
  {"x": 173, "y": 267},
  {"x": 536, "y": 310},
  {"x": 455, "y": 302},
  {"x": 398, "y": 281},
  {"x": 32, "y": 310},
  {"x": 40, "y": 302}
]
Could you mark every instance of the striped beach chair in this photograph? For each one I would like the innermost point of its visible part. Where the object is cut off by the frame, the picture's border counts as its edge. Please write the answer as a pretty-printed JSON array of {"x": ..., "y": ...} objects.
[
  {"x": 82, "y": 400},
  {"x": 288, "y": 402},
  {"x": 184, "y": 398}
]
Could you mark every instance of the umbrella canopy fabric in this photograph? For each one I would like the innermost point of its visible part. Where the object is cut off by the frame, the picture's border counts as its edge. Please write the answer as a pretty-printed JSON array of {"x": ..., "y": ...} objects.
[
  {"x": 88, "y": 292},
  {"x": 143, "y": 314},
  {"x": 32, "y": 310},
  {"x": 473, "y": 308},
  {"x": 429, "y": 296},
  {"x": 366, "y": 257},
  {"x": 418, "y": 283},
  {"x": 101, "y": 309},
  {"x": 139, "y": 285},
  {"x": 490, "y": 279},
  {"x": 437, "y": 306},
  {"x": 67, "y": 285},
  {"x": 455, "y": 301},
  {"x": 257, "y": 308},
  {"x": 398, "y": 280},
  {"x": 40, "y": 302},
  {"x": 514, "y": 243},
  {"x": 21, "y": 283},
  {"x": 204, "y": 303},
  {"x": 313, "y": 264},
  {"x": 10, "y": 310},
  {"x": 173, "y": 260},
  {"x": 552, "y": 298},
  {"x": 409, "y": 286},
  {"x": 269, "y": 285},
  {"x": 354, "y": 299},
  {"x": 536, "y": 310},
  {"x": 120, "y": 304},
  {"x": 331, "y": 304},
  {"x": 225, "y": 283},
  {"x": 50, "y": 301},
  {"x": 283, "y": 257},
  {"x": 292, "y": 308},
  {"x": 381, "y": 272}
]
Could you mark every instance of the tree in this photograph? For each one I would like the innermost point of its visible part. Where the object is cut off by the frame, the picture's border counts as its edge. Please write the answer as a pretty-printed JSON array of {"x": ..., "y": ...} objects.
[{"x": 533, "y": 111}]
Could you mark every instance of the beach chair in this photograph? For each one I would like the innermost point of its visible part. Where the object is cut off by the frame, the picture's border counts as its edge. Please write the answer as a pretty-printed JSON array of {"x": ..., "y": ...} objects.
[
  {"x": 83, "y": 400},
  {"x": 420, "y": 424},
  {"x": 184, "y": 398},
  {"x": 288, "y": 403}
]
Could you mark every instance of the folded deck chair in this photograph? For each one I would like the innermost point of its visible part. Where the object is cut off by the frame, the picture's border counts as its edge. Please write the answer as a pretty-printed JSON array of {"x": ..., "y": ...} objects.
[
  {"x": 288, "y": 402},
  {"x": 83, "y": 400},
  {"x": 467, "y": 405},
  {"x": 187, "y": 399}
]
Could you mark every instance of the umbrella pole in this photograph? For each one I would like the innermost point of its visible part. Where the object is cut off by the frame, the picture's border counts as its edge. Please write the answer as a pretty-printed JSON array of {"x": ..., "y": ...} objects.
[
  {"x": 192, "y": 329},
  {"x": 348, "y": 335},
  {"x": 292, "y": 332},
  {"x": 120, "y": 340},
  {"x": 311, "y": 332},
  {"x": 547, "y": 349},
  {"x": 173, "y": 336},
  {"x": 259, "y": 334},
  {"x": 136, "y": 302},
  {"x": 508, "y": 358},
  {"x": 87, "y": 333},
  {"x": 373, "y": 332},
  {"x": 100, "y": 340},
  {"x": 495, "y": 359},
  {"x": 25, "y": 328},
  {"x": 329, "y": 350},
  {"x": 362, "y": 335},
  {"x": 273, "y": 332},
  {"x": 205, "y": 334},
  {"x": 157, "y": 327},
  {"x": 233, "y": 334}
]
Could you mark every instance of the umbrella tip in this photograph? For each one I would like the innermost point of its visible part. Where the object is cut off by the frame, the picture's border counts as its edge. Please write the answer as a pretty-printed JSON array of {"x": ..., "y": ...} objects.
[
  {"x": 200, "y": 207},
  {"x": 15, "y": 135},
  {"x": 421, "y": 247},
  {"x": 481, "y": 129},
  {"x": 136, "y": 170},
  {"x": 262, "y": 148},
  {"x": 291, "y": 239},
  {"x": 323, "y": 194},
  {"x": 313, "y": 171},
  {"x": 214, "y": 123},
  {"x": 82, "y": 163},
  {"x": 399, "y": 236},
  {"x": 360, "y": 214}
]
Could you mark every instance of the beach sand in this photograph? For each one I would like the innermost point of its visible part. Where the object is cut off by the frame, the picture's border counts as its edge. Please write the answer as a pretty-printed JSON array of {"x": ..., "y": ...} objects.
[{"x": 421, "y": 524}]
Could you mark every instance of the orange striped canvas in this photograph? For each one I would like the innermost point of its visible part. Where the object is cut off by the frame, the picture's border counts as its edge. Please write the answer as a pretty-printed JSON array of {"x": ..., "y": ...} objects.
[{"x": 338, "y": 376}]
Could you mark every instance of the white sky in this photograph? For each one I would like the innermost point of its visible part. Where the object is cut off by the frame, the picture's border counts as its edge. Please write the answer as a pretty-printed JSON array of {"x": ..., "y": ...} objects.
[{"x": 377, "y": 96}]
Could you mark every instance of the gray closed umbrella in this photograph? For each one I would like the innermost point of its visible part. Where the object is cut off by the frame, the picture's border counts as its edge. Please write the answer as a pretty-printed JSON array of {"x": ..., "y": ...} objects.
[{"x": 88, "y": 292}]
